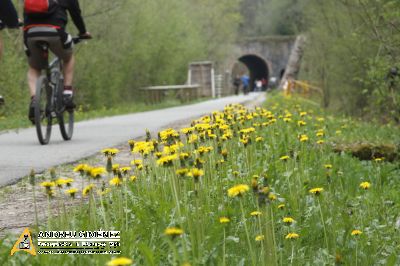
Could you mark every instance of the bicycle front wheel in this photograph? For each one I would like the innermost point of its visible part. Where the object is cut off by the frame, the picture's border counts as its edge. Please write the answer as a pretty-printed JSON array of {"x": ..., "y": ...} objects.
[{"x": 43, "y": 118}]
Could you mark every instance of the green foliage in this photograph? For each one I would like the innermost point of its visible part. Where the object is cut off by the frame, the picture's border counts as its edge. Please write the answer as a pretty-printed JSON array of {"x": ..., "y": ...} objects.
[
  {"x": 136, "y": 44},
  {"x": 352, "y": 46},
  {"x": 273, "y": 17}
]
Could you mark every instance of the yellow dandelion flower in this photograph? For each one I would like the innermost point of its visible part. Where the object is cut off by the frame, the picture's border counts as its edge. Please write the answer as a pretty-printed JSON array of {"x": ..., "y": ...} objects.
[
  {"x": 115, "y": 167},
  {"x": 292, "y": 236},
  {"x": 196, "y": 173},
  {"x": 303, "y": 138},
  {"x": 97, "y": 172},
  {"x": 288, "y": 220},
  {"x": 173, "y": 231},
  {"x": 182, "y": 171},
  {"x": 125, "y": 169},
  {"x": 259, "y": 238},
  {"x": 184, "y": 155},
  {"x": 61, "y": 182},
  {"x": 47, "y": 184},
  {"x": 301, "y": 123},
  {"x": 356, "y": 232},
  {"x": 284, "y": 158},
  {"x": 316, "y": 191},
  {"x": 303, "y": 114},
  {"x": 319, "y": 142},
  {"x": 80, "y": 168},
  {"x": 122, "y": 261},
  {"x": 248, "y": 130},
  {"x": 224, "y": 220},
  {"x": 328, "y": 166},
  {"x": 87, "y": 189},
  {"x": 365, "y": 185},
  {"x": 259, "y": 139},
  {"x": 103, "y": 192},
  {"x": 133, "y": 178},
  {"x": 71, "y": 192},
  {"x": 69, "y": 181},
  {"x": 116, "y": 181},
  {"x": 379, "y": 159},
  {"x": 110, "y": 152},
  {"x": 193, "y": 138},
  {"x": 136, "y": 162},
  {"x": 167, "y": 160},
  {"x": 319, "y": 134},
  {"x": 255, "y": 213},
  {"x": 238, "y": 190},
  {"x": 203, "y": 150},
  {"x": 187, "y": 130},
  {"x": 272, "y": 196},
  {"x": 281, "y": 206}
]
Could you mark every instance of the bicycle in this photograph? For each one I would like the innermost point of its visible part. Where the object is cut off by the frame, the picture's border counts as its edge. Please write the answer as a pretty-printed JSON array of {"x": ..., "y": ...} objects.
[{"x": 48, "y": 101}]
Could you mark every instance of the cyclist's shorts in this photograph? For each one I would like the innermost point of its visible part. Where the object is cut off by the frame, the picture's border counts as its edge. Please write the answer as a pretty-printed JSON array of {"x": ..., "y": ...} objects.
[{"x": 59, "y": 43}]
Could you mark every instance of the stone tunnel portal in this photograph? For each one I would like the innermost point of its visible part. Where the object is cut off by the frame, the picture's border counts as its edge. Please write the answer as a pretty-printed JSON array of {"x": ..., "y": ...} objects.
[{"x": 257, "y": 67}]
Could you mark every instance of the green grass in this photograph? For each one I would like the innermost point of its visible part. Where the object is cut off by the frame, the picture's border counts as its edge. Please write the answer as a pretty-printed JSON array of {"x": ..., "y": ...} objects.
[{"x": 159, "y": 198}]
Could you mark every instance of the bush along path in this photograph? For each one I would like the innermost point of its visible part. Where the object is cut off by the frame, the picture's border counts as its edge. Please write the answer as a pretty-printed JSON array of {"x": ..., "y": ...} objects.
[{"x": 238, "y": 187}]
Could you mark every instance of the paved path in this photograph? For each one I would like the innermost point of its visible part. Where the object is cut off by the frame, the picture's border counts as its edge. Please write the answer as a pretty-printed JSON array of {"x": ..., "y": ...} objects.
[{"x": 20, "y": 151}]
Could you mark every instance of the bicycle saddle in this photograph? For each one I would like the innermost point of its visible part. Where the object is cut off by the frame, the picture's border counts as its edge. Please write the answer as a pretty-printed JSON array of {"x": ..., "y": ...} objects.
[{"x": 43, "y": 45}]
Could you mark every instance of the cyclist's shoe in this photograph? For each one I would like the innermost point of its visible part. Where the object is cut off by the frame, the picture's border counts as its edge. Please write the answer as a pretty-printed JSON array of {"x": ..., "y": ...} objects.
[
  {"x": 68, "y": 99},
  {"x": 31, "y": 113}
]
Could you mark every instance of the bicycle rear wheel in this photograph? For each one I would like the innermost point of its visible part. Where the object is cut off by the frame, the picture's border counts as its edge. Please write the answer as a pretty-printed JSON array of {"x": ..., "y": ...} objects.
[
  {"x": 64, "y": 116},
  {"x": 66, "y": 122},
  {"x": 43, "y": 118}
]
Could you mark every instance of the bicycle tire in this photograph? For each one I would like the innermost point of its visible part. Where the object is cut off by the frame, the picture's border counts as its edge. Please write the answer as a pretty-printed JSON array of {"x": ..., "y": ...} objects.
[
  {"x": 42, "y": 104},
  {"x": 66, "y": 123},
  {"x": 65, "y": 117}
]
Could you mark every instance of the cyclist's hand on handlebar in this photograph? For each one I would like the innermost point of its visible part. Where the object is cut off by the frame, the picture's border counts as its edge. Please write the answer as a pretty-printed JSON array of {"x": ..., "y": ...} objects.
[{"x": 85, "y": 36}]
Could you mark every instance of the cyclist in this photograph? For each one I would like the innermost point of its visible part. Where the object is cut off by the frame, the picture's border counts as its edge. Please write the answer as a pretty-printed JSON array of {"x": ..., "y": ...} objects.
[
  {"x": 45, "y": 21},
  {"x": 8, "y": 18}
]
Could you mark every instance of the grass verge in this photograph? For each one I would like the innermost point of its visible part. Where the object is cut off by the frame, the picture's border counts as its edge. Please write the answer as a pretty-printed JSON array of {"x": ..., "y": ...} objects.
[{"x": 239, "y": 187}]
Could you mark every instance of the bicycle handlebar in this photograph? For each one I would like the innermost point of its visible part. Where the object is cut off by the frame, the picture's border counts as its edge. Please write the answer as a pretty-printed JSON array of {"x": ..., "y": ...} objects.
[
  {"x": 79, "y": 39},
  {"x": 3, "y": 25}
]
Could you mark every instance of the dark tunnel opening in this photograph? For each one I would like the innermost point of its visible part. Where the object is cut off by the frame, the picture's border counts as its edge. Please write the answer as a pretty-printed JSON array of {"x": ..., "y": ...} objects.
[{"x": 257, "y": 67}]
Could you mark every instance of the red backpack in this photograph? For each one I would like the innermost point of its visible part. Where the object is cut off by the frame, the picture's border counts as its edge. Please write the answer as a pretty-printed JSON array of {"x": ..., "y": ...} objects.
[{"x": 40, "y": 8}]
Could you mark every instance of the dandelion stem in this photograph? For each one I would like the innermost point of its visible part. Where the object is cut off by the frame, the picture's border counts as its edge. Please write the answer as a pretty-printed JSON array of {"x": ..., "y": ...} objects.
[
  {"x": 323, "y": 224},
  {"x": 247, "y": 233},
  {"x": 273, "y": 236},
  {"x": 292, "y": 256},
  {"x": 356, "y": 252},
  {"x": 223, "y": 249}
]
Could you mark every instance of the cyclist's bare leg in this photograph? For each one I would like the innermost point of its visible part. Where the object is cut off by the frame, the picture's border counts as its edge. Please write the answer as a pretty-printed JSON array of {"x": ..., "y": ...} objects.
[
  {"x": 69, "y": 71},
  {"x": 33, "y": 76}
]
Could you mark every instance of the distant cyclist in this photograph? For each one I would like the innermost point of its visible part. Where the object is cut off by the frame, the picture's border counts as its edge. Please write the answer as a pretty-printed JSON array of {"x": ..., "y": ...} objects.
[
  {"x": 45, "y": 21},
  {"x": 9, "y": 19}
]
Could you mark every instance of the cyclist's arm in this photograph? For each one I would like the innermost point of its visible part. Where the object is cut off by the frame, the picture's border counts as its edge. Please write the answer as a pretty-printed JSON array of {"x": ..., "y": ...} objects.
[
  {"x": 76, "y": 15},
  {"x": 8, "y": 14}
]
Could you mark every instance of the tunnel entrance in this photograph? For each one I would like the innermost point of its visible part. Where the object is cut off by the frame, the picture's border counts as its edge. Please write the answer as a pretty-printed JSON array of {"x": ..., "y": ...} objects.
[{"x": 254, "y": 66}]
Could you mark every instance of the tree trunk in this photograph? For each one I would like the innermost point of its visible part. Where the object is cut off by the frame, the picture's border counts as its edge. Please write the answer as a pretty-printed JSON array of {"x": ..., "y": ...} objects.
[{"x": 294, "y": 63}]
